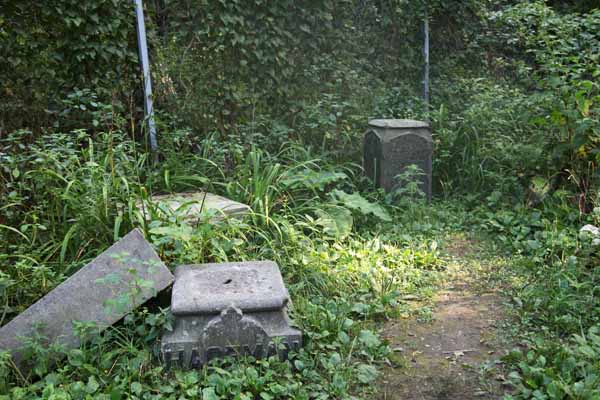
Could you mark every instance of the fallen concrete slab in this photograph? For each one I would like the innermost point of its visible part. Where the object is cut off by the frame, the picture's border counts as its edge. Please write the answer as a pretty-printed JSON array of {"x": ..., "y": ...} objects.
[
  {"x": 102, "y": 292},
  {"x": 194, "y": 205}
]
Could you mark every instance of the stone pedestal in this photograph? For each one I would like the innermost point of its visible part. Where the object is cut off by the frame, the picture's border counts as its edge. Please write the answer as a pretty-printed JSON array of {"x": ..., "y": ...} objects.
[
  {"x": 229, "y": 309},
  {"x": 391, "y": 145}
]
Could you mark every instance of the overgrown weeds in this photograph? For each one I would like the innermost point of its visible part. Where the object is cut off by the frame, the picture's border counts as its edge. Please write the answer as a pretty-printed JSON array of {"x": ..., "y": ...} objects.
[{"x": 73, "y": 195}]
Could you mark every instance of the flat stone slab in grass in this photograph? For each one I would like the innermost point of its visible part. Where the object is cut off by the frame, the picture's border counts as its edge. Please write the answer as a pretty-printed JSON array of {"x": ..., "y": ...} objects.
[
  {"x": 116, "y": 282},
  {"x": 228, "y": 309},
  {"x": 194, "y": 204}
]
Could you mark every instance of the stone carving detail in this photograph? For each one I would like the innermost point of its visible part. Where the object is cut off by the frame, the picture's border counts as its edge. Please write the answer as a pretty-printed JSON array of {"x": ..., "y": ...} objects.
[
  {"x": 232, "y": 328},
  {"x": 254, "y": 323}
]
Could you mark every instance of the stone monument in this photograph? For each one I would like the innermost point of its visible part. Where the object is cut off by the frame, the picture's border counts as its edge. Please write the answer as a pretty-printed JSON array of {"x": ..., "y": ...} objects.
[
  {"x": 391, "y": 145},
  {"x": 228, "y": 309}
]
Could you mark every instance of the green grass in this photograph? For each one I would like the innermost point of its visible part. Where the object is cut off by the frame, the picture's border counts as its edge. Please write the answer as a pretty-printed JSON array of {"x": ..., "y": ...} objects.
[
  {"x": 348, "y": 253},
  {"x": 347, "y": 261},
  {"x": 514, "y": 114}
]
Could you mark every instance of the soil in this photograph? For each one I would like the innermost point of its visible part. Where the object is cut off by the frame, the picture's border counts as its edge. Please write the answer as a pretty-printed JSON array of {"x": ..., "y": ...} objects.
[{"x": 445, "y": 356}]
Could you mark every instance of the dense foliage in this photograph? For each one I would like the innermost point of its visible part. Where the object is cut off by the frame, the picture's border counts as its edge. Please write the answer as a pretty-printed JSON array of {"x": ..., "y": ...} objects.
[
  {"x": 341, "y": 277},
  {"x": 49, "y": 49},
  {"x": 265, "y": 102}
]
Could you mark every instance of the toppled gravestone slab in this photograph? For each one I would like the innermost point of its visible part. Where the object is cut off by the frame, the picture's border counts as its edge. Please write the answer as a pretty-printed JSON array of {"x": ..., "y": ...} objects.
[
  {"x": 228, "y": 309},
  {"x": 391, "y": 145},
  {"x": 116, "y": 282},
  {"x": 194, "y": 205}
]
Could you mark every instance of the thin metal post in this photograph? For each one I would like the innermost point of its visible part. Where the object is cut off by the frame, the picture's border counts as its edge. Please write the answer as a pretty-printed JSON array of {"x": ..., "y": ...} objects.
[
  {"x": 143, "y": 49},
  {"x": 426, "y": 60}
]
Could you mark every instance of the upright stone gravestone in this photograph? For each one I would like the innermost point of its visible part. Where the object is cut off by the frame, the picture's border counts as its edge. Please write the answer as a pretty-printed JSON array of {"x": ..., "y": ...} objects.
[
  {"x": 228, "y": 309},
  {"x": 102, "y": 292},
  {"x": 391, "y": 145}
]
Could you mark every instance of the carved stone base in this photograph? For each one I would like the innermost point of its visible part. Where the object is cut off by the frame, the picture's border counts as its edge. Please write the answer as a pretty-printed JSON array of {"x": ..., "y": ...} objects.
[{"x": 232, "y": 309}]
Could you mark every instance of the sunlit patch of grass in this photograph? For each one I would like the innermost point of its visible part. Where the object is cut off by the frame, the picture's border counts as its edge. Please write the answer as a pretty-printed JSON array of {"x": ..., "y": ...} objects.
[{"x": 344, "y": 275}]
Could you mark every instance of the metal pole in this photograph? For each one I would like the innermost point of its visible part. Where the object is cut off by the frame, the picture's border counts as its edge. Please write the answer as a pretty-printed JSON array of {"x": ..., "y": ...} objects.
[
  {"x": 426, "y": 60},
  {"x": 143, "y": 49}
]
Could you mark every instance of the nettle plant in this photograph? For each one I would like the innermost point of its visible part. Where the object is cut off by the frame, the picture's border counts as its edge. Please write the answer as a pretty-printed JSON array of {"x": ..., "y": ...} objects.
[
  {"x": 137, "y": 285},
  {"x": 409, "y": 184}
]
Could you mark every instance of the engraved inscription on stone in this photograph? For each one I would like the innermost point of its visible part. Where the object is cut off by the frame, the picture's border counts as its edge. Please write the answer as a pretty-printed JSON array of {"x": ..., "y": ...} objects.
[
  {"x": 411, "y": 150},
  {"x": 229, "y": 309},
  {"x": 390, "y": 146},
  {"x": 229, "y": 333}
]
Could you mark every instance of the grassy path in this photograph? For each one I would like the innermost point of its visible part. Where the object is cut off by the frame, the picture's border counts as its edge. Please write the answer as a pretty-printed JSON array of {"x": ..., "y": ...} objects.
[{"x": 445, "y": 350}]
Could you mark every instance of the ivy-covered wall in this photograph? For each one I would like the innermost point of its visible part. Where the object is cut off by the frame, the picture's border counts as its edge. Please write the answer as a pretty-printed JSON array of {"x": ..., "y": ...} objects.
[
  {"x": 216, "y": 64},
  {"x": 49, "y": 48}
]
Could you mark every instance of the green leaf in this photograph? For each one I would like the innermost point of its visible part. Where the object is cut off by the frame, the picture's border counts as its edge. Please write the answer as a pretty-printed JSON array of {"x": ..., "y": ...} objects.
[
  {"x": 65, "y": 243},
  {"x": 360, "y": 308},
  {"x": 336, "y": 221},
  {"x": 368, "y": 338},
  {"x": 209, "y": 394},
  {"x": 136, "y": 388},
  {"x": 92, "y": 385},
  {"x": 335, "y": 359},
  {"x": 366, "y": 373},
  {"x": 116, "y": 393},
  {"x": 313, "y": 179},
  {"x": 343, "y": 337},
  {"x": 358, "y": 203},
  {"x": 183, "y": 232},
  {"x": 305, "y": 28},
  {"x": 76, "y": 357}
]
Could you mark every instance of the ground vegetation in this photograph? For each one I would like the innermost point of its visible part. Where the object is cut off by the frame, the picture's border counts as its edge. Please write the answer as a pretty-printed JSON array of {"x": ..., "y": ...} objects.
[{"x": 265, "y": 103}]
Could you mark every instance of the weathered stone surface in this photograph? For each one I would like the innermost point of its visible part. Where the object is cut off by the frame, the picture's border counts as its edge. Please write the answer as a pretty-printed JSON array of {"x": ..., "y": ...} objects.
[
  {"x": 390, "y": 146},
  {"x": 254, "y": 286},
  {"x": 116, "y": 282},
  {"x": 228, "y": 309},
  {"x": 397, "y": 123},
  {"x": 194, "y": 205}
]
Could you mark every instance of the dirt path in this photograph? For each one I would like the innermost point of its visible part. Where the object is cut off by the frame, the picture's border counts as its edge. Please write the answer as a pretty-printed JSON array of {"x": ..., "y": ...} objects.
[{"x": 442, "y": 358}]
